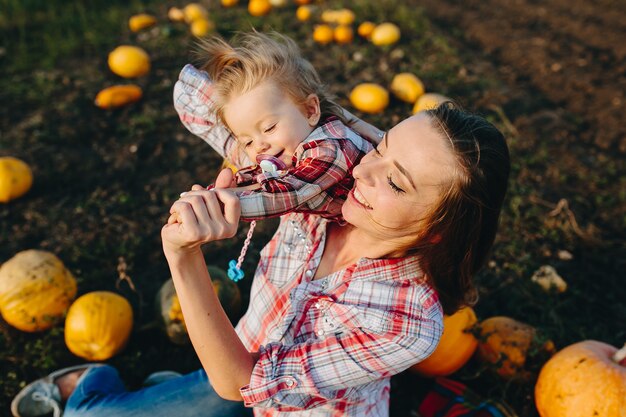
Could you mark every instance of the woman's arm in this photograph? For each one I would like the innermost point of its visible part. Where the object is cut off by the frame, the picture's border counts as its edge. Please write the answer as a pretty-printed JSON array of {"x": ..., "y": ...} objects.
[{"x": 200, "y": 219}]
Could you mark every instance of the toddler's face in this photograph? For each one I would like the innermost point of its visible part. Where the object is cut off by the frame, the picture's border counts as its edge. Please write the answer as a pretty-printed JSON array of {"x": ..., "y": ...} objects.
[{"x": 265, "y": 120}]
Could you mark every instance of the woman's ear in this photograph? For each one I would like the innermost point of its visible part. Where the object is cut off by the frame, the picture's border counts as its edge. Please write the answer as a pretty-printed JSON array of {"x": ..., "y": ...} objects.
[{"x": 312, "y": 109}]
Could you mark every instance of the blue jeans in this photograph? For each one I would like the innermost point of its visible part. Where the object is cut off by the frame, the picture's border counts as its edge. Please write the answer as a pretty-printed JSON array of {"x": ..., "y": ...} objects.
[{"x": 100, "y": 392}]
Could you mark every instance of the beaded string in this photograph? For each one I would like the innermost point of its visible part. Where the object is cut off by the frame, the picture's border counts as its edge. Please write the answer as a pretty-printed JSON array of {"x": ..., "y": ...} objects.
[
  {"x": 234, "y": 267},
  {"x": 270, "y": 164}
]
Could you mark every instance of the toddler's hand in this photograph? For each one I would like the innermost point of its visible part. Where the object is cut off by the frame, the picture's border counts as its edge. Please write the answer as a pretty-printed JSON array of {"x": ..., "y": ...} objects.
[{"x": 200, "y": 216}]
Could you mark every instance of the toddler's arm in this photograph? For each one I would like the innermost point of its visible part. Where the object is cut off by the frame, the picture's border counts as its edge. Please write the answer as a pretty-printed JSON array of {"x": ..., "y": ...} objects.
[
  {"x": 324, "y": 165},
  {"x": 192, "y": 101},
  {"x": 370, "y": 132}
]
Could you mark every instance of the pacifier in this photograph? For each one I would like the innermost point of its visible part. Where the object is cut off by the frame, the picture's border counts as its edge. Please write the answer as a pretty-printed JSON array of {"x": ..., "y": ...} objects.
[{"x": 269, "y": 163}]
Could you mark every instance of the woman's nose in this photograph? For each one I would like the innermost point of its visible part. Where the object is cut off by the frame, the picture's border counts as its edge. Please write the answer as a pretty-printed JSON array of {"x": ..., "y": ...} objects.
[{"x": 363, "y": 170}]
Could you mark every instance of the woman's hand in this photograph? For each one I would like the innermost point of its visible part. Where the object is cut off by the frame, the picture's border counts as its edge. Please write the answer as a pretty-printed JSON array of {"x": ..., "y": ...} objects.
[{"x": 198, "y": 217}]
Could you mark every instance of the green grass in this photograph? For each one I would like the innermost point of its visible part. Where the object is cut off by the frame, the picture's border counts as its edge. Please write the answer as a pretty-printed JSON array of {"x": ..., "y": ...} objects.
[{"x": 104, "y": 180}]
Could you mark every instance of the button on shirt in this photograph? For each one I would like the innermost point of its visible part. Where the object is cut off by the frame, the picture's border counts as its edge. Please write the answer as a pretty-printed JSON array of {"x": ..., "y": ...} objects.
[{"x": 329, "y": 346}]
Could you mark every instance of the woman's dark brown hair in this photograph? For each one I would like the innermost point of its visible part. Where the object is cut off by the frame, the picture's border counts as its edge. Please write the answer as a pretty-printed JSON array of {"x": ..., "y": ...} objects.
[{"x": 462, "y": 228}]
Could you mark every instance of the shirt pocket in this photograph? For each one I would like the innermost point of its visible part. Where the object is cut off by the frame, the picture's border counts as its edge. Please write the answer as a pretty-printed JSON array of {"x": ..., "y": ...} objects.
[{"x": 337, "y": 318}]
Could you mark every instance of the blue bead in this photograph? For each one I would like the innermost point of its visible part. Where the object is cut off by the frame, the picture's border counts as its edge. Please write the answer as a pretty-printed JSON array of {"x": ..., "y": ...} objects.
[{"x": 234, "y": 273}]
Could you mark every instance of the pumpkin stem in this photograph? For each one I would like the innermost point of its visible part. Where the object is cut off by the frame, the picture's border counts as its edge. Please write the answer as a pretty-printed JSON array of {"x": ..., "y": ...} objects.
[{"x": 620, "y": 355}]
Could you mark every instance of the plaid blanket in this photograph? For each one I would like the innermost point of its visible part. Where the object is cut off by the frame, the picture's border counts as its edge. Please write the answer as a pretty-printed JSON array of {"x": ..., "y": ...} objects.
[{"x": 450, "y": 398}]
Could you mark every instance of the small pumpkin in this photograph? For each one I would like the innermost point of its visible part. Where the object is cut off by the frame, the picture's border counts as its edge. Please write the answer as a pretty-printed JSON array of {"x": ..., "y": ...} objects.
[
  {"x": 323, "y": 34},
  {"x": 129, "y": 61},
  {"x": 505, "y": 343},
  {"x": 369, "y": 98},
  {"x": 587, "y": 378},
  {"x": 338, "y": 16},
  {"x": 259, "y": 7},
  {"x": 385, "y": 34},
  {"x": 304, "y": 13},
  {"x": 456, "y": 347},
  {"x": 407, "y": 87},
  {"x": 343, "y": 34},
  {"x": 429, "y": 101},
  {"x": 118, "y": 96},
  {"x": 278, "y": 3},
  {"x": 201, "y": 27},
  {"x": 98, "y": 325},
  {"x": 229, "y": 3},
  {"x": 175, "y": 14},
  {"x": 365, "y": 29},
  {"x": 16, "y": 178},
  {"x": 35, "y": 290},
  {"x": 194, "y": 11},
  {"x": 171, "y": 316},
  {"x": 141, "y": 21}
]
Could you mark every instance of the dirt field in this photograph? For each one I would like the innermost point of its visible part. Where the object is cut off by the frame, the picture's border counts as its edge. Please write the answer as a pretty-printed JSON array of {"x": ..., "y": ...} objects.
[{"x": 572, "y": 52}]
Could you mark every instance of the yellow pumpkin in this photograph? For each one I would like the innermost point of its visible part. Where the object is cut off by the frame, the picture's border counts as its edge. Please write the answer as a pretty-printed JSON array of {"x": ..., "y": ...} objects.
[
  {"x": 407, "y": 87},
  {"x": 385, "y": 34},
  {"x": 369, "y": 98},
  {"x": 278, "y": 3},
  {"x": 194, "y": 11},
  {"x": 304, "y": 13},
  {"x": 175, "y": 14},
  {"x": 16, "y": 178},
  {"x": 504, "y": 343},
  {"x": 118, "y": 96},
  {"x": 229, "y": 3},
  {"x": 129, "y": 61},
  {"x": 429, "y": 101},
  {"x": 365, "y": 29},
  {"x": 141, "y": 21},
  {"x": 323, "y": 34},
  {"x": 259, "y": 7},
  {"x": 98, "y": 325},
  {"x": 35, "y": 290},
  {"x": 338, "y": 17},
  {"x": 587, "y": 378},
  {"x": 201, "y": 27},
  {"x": 343, "y": 34},
  {"x": 170, "y": 314},
  {"x": 456, "y": 347}
]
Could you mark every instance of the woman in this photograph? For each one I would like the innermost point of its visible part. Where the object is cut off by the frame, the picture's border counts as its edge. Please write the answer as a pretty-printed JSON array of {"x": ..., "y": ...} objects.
[{"x": 334, "y": 310}]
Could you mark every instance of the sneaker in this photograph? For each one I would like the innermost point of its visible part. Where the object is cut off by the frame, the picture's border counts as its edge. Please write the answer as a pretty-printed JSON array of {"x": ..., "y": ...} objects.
[
  {"x": 158, "y": 377},
  {"x": 42, "y": 397}
]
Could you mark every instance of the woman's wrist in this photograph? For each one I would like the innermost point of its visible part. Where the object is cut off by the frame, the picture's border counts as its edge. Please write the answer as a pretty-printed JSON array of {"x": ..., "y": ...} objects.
[{"x": 177, "y": 255}]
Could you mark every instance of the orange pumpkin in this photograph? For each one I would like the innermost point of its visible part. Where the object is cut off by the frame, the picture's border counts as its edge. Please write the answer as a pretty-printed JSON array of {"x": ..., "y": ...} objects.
[
  {"x": 456, "y": 347},
  {"x": 587, "y": 378},
  {"x": 504, "y": 343}
]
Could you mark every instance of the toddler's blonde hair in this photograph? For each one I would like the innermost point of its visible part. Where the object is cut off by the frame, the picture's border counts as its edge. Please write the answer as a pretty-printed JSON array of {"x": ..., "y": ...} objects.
[{"x": 252, "y": 58}]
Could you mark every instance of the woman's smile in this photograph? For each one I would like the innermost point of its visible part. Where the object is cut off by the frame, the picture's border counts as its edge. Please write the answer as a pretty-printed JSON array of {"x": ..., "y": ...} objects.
[{"x": 359, "y": 199}]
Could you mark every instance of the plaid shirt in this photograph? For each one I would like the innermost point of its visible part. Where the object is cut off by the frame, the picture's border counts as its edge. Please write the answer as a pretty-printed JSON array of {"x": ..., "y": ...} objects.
[
  {"x": 321, "y": 177},
  {"x": 329, "y": 346}
]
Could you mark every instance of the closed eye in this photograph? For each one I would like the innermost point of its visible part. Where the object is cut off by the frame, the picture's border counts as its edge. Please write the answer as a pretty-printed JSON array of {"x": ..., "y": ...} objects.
[
  {"x": 270, "y": 129},
  {"x": 393, "y": 186}
]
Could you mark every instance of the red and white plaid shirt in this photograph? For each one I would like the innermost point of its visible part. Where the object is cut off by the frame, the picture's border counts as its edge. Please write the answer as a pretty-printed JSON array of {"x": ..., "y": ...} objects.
[
  {"x": 329, "y": 346},
  {"x": 320, "y": 179}
]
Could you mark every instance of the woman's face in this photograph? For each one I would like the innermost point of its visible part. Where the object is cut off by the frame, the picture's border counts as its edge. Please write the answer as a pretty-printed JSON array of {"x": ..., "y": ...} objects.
[{"x": 400, "y": 182}]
